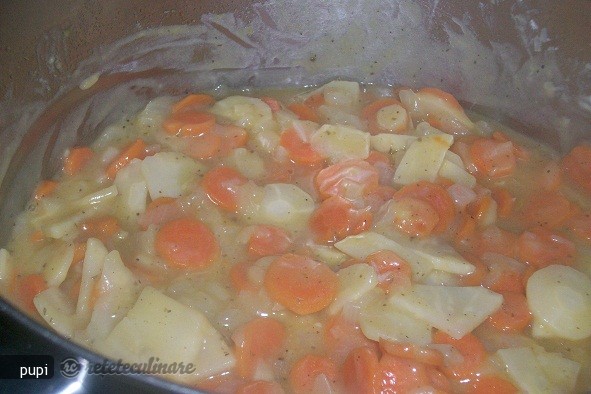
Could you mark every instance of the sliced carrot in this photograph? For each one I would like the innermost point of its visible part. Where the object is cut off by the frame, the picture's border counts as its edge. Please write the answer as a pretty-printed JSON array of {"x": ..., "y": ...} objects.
[
  {"x": 541, "y": 248},
  {"x": 480, "y": 208},
  {"x": 135, "y": 150},
  {"x": 260, "y": 387},
  {"x": 274, "y": 104},
  {"x": 360, "y": 371},
  {"x": 580, "y": 226},
  {"x": 465, "y": 229},
  {"x": 393, "y": 271},
  {"x": 502, "y": 276},
  {"x": 221, "y": 185},
  {"x": 260, "y": 339},
  {"x": 103, "y": 228},
  {"x": 299, "y": 151},
  {"x": 435, "y": 195},
  {"x": 304, "y": 112},
  {"x": 301, "y": 284},
  {"x": 205, "y": 146},
  {"x": 304, "y": 372},
  {"x": 495, "y": 240},
  {"x": 349, "y": 178},
  {"x": 413, "y": 352},
  {"x": 27, "y": 287},
  {"x": 341, "y": 336},
  {"x": 79, "y": 253},
  {"x": 77, "y": 159},
  {"x": 400, "y": 375},
  {"x": 337, "y": 218},
  {"x": 473, "y": 355},
  {"x": 189, "y": 123},
  {"x": 315, "y": 100},
  {"x": 548, "y": 210},
  {"x": 577, "y": 166},
  {"x": 44, "y": 189},
  {"x": 37, "y": 236},
  {"x": 193, "y": 102},
  {"x": 415, "y": 217},
  {"x": 490, "y": 384},
  {"x": 268, "y": 241},
  {"x": 491, "y": 158},
  {"x": 505, "y": 201},
  {"x": 239, "y": 277},
  {"x": 514, "y": 314},
  {"x": 187, "y": 243},
  {"x": 159, "y": 211},
  {"x": 475, "y": 278}
]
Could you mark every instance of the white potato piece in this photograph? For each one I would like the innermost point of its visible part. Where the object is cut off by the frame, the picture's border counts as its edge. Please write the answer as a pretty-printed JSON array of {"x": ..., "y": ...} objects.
[
  {"x": 559, "y": 298},
  {"x": 448, "y": 114},
  {"x": 155, "y": 112},
  {"x": 423, "y": 159},
  {"x": 327, "y": 254},
  {"x": 441, "y": 255},
  {"x": 57, "y": 310},
  {"x": 341, "y": 93},
  {"x": 393, "y": 117},
  {"x": 285, "y": 205},
  {"x": 251, "y": 113},
  {"x": 454, "y": 310},
  {"x": 56, "y": 268},
  {"x": 354, "y": 281},
  {"x": 133, "y": 189},
  {"x": 169, "y": 174},
  {"x": 159, "y": 326},
  {"x": 340, "y": 143},
  {"x": 383, "y": 319},
  {"x": 6, "y": 270},
  {"x": 529, "y": 369},
  {"x": 92, "y": 266},
  {"x": 248, "y": 163},
  {"x": 456, "y": 173},
  {"x": 391, "y": 143},
  {"x": 339, "y": 116}
]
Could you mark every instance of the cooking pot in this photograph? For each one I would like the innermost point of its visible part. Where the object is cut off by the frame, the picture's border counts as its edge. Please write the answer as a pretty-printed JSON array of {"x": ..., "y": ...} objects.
[{"x": 71, "y": 67}]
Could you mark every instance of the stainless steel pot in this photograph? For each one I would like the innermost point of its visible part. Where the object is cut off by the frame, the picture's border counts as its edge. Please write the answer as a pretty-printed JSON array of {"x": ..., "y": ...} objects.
[{"x": 525, "y": 63}]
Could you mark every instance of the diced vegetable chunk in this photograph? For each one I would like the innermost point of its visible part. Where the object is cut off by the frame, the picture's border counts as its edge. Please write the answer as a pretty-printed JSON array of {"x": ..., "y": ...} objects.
[{"x": 340, "y": 143}]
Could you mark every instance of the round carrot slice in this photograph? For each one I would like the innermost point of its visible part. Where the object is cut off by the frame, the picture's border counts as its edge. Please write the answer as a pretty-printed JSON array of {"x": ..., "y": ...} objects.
[
  {"x": 301, "y": 284},
  {"x": 187, "y": 243},
  {"x": 187, "y": 124},
  {"x": 221, "y": 185}
]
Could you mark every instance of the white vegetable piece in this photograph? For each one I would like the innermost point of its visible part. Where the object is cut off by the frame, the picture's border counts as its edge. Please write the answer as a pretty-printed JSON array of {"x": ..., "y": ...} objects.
[
  {"x": 390, "y": 143},
  {"x": 442, "y": 256},
  {"x": 168, "y": 174},
  {"x": 423, "y": 159},
  {"x": 155, "y": 112},
  {"x": 341, "y": 93},
  {"x": 57, "y": 310},
  {"x": 392, "y": 117},
  {"x": 132, "y": 187},
  {"x": 279, "y": 204},
  {"x": 340, "y": 143},
  {"x": 94, "y": 258},
  {"x": 529, "y": 369},
  {"x": 6, "y": 270},
  {"x": 248, "y": 163},
  {"x": 354, "y": 282},
  {"x": 425, "y": 105},
  {"x": 559, "y": 298},
  {"x": 251, "y": 113},
  {"x": 453, "y": 169},
  {"x": 454, "y": 310},
  {"x": 158, "y": 326},
  {"x": 327, "y": 254},
  {"x": 339, "y": 116},
  {"x": 383, "y": 319},
  {"x": 118, "y": 292},
  {"x": 56, "y": 268}
]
